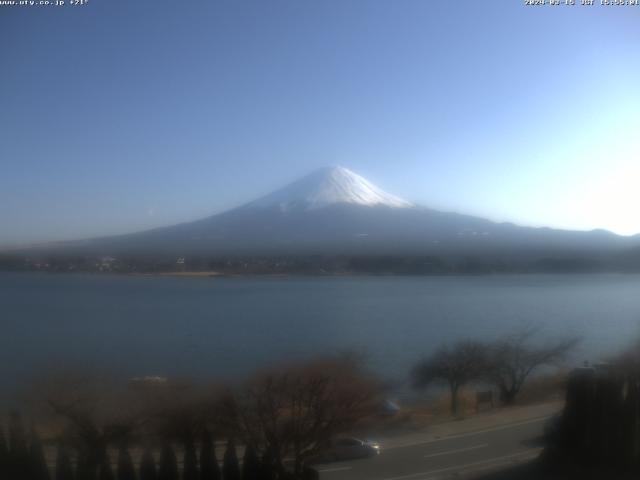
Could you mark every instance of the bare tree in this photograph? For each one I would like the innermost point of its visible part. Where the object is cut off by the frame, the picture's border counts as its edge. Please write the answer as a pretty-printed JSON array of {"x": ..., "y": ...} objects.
[
  {"x": 454, "y": 366},
  {"x": 290, "y": 411},
  {"x": 94, "y": 414},
  {"x": 513, "y": 358},
  {"x": 629, "y": 360}
]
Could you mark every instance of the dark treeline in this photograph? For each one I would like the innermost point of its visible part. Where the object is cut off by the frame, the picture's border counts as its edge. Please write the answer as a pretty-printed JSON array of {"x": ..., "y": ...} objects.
[
  {"x": 598, "y": 433},
  {"x": 325, "y": 264},
  {"x": 22, "y": 455},
  {"x": 23, "y": 458},
  {"x": 270, "y": 427}
]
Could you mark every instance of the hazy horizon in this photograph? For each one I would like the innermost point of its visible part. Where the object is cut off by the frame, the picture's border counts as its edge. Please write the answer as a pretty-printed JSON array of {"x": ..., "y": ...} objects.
[
  {"x": 119, "y": 117},
  {"x": 283, "y": 188}
]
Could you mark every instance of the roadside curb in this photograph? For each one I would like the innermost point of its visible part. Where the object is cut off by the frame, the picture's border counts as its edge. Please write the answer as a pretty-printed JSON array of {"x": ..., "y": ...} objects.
[
  {"x": 492, "y": 465},
  {"x": 430, "y": 437}
]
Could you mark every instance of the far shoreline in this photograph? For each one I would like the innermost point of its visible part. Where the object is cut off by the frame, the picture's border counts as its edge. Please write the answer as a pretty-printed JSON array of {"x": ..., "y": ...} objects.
[{"x": 218, "y": 274}]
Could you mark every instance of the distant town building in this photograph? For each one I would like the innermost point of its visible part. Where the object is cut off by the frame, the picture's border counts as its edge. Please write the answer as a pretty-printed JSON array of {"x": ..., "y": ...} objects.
[
  {"x": 106, "y": 264},
  {"x": 180, "y": 264}
]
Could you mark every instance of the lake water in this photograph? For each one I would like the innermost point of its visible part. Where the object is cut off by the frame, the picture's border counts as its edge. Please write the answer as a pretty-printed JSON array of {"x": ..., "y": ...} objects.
[{"x": 228, "y": 327}]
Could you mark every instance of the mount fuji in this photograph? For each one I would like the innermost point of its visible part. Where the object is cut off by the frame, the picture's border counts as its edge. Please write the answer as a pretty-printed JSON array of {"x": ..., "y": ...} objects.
[
  {"x": 334, "y": 211},
  {"x": 329, "y": 186}
]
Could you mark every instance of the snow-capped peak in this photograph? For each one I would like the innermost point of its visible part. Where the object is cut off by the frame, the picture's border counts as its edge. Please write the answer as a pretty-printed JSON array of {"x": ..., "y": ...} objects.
[{"x": 329, "y": 186}]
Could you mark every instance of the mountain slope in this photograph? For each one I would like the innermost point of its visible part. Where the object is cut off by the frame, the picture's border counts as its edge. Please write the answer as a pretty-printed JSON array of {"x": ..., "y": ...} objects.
[{"x": 334, "y": 211}]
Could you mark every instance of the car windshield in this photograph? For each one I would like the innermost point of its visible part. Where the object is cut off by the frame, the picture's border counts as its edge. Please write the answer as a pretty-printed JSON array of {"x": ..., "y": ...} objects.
[{"x": 348, "y": 442}]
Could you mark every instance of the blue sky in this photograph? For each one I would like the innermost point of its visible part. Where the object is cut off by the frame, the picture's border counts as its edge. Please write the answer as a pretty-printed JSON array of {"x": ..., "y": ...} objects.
[{"x": 122, "y": 115}]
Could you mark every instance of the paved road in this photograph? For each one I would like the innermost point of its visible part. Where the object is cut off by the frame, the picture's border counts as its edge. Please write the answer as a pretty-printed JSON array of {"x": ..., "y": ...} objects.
[{"x": 442, "y": 458}]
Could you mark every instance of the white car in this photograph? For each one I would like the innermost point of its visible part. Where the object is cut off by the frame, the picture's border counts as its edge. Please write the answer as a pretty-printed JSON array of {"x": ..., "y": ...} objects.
[{"x": 346, "y": 448}]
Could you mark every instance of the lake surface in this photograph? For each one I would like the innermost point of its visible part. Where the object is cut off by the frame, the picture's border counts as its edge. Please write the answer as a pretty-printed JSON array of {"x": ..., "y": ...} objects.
[{"x": 228, "y": 327}]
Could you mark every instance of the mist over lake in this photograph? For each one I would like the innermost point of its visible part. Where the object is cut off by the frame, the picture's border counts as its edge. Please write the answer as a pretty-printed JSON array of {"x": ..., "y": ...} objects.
[{"x": 225, "y": 328}]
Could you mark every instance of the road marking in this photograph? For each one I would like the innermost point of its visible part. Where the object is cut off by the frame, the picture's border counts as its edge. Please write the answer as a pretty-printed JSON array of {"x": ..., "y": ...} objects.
[
  {"x": 451, "y": 452},
  {"x": 468, "y": 434},
  {"x": 337, "y": 469},
  {"x": 496, "y": 460}
]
